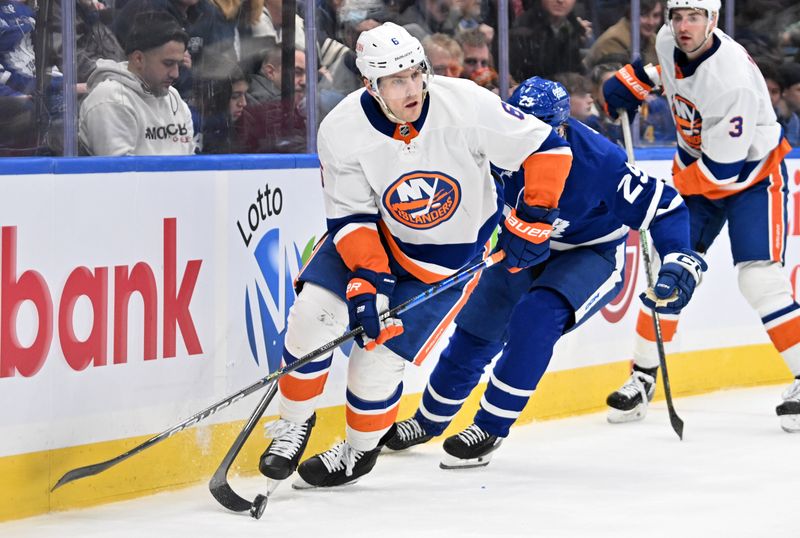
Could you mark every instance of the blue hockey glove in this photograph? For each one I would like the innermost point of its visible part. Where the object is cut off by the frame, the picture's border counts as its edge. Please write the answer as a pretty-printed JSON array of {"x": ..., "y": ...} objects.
[
  {"x": 368, "y": 294},
  {"x": 680, "y": 273},
  {"x": 525, "y": 237},
  {"x": 627, "y": 89}
]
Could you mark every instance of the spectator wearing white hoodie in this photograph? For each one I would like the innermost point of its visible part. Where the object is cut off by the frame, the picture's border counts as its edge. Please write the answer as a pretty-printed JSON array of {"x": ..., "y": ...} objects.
[{"x": 132, "y": 108}]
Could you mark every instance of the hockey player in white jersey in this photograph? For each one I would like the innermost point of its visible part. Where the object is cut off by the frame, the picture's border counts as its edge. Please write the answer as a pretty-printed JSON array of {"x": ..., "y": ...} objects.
[
  {"x": 729, "y": 167},
  {"x": 409, "y": 200},
  {"x": 524, "y": 314}
]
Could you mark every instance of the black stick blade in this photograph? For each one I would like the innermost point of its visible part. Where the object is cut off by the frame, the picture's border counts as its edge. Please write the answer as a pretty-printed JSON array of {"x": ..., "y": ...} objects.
[
  {"x": 677, "y": 423},
  {"x": 228, "y": 498},
  {"x": 219, "y": 486},
  {"x": 83, "y": 472}
]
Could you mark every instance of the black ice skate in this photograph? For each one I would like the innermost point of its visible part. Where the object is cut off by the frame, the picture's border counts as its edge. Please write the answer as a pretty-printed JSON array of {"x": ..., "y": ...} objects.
[
  {"x": 289, "y": 441},
  {"x": 339, "y": 465},
  {"x": 629, "y": 403},
  {"x": 789, "y": 410},
  {"x": 409, "y": 433},
  {"x": 472, "y": 447}
]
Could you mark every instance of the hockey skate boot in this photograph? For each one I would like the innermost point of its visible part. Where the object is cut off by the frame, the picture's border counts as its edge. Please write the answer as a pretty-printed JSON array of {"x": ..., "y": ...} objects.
[
  {"x": 472, "y": 447},
  {"x": 789, "y": 410},
  {"x": 289, "y": 441},
  {"x": 629, "y": 403},
  {"x": 409, "y": 433},
  {"x": 339, "y": 465}
]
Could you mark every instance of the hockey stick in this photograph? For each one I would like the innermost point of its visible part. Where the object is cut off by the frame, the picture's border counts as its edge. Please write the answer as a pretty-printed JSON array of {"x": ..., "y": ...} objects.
[
  {"x": 674, "y": 419},
  {"x": 219, "y": 486},
  {"x": 91, "y": 470}
]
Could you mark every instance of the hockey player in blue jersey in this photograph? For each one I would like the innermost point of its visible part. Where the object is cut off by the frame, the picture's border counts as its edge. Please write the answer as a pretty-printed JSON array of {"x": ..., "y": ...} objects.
[{"x": 524, "y": 313}]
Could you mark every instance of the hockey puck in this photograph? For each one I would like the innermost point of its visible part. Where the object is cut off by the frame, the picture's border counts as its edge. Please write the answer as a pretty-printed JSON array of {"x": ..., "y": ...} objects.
[{"x": 259, "y": 505}]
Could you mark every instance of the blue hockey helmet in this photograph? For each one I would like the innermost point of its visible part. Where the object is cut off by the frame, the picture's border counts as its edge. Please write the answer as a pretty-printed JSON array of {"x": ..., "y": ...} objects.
[{"x": 545, "y": 99}]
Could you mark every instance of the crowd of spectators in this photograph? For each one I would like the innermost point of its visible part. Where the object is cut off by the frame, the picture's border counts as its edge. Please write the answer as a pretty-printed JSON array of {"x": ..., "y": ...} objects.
[{"x": 245, "y": 89}]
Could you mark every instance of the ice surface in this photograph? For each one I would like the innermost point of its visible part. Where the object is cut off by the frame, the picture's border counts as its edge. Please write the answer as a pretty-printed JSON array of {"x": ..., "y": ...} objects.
[{"x": 735, "y": 474}]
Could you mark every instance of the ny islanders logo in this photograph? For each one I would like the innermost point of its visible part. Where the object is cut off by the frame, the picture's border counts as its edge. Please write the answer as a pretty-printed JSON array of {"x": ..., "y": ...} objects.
[
  {"x": 688, "y": 121},
  {"x": 422, "y": 199},
  {"x": 270, "y": 294}
]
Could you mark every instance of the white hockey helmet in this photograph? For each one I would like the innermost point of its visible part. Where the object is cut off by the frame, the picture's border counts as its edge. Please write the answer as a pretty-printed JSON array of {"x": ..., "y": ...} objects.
[
  {"x": 709, "y": 6},
  {"x": 385, "y": 50},
  {"x": 388, "y": 49}
]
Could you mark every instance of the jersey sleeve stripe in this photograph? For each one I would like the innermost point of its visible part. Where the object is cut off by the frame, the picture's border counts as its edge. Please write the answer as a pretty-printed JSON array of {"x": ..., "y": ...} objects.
[
  {"x": 674, "y": 203},
  {"x": 655, "y": 201},
  {"x": 360, "y": 246},
  {"x": 545, "y": 175}
]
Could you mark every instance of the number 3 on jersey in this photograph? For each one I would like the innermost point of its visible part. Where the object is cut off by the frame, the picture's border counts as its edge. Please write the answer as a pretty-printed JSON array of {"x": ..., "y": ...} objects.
[
  {"x": 626, "y": 184},
  {"x": 736, "y": 127}
]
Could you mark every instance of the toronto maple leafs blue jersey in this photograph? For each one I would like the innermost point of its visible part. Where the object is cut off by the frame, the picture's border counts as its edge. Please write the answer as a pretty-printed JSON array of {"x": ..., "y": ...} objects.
[{"x": 604, "y": 197}]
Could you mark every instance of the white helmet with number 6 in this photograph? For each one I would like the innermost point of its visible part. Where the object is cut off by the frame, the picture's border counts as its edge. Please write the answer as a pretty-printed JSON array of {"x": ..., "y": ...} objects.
[{"x": 386, "y": 50}]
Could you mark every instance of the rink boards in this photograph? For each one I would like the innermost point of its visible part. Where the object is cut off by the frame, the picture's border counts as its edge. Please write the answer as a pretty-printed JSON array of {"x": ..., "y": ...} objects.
[{"x": 136, "y": 292}]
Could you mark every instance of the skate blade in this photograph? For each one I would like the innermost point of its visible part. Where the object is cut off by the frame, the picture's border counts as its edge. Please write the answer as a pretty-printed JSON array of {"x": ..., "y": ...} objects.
[
  {"x": 272, "y": 485},
  {"x": 451, "y": 462},
  {"x": 790, "y": 423},
  {"x": 617, "y": 416},
  {"x": 301, "y": 484}
]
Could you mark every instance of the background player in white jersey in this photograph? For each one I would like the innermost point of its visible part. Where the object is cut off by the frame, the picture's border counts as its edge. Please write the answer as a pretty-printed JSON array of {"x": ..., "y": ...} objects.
[
  {"x": 729, "y": 167},
  {"x": 530, "y": 310},
  {"x": 409, "y": 200}
]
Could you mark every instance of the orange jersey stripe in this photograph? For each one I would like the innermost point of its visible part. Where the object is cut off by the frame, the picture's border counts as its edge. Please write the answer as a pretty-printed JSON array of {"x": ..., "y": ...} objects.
[
  {"x": 545, "y": 174},
  {"x": 362, "y": 248},
  {"x": 447, "y": 320},
  {"x": 371, "y": 423},
  {"x": 691, "y": 180},
  {"x": 785, "y": 335},
  {"x": 407, "y": 263},
  {"x": 647, "y": 330},
  {"x": 300, "y": 390}
]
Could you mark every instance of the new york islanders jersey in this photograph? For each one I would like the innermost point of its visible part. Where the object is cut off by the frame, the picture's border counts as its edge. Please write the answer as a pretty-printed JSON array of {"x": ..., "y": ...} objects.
[
  {"x": 728, "y": 134},
  {"x": 426, "y": 185},
  {"x": 604, "y": 197}
]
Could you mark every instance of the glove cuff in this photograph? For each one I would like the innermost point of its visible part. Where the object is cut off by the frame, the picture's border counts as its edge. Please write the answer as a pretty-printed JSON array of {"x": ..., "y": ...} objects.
[
  {"x": 366, "y": 281},
  {"x": 688, "y": 260},
  {"x": 643, "y": 72},
  {"x": 535, "y": 213},
  {"x": 634, "y": 78}
]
